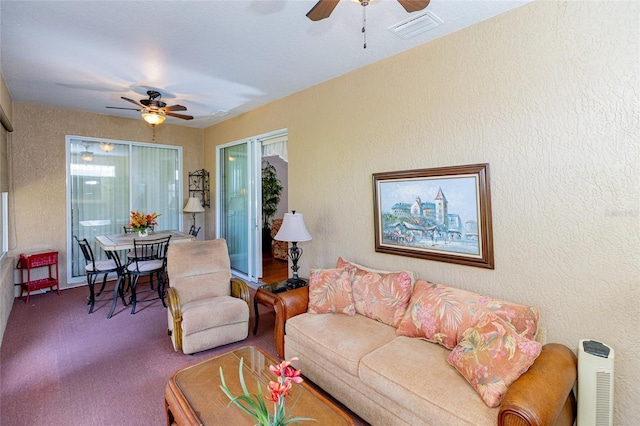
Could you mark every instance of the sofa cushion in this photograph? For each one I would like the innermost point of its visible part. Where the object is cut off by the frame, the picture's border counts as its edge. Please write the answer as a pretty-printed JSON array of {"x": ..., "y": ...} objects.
[
  {"x": 415, "y": 375},
  {"x": 380, "y": 295},
  {"x": 340, "y": 341},
  {"x": 441, "y": 314},
  {"x": 491, "y": 356},
  {"x": 219, "y": 311},
  {"x": 330, "y": 292}
]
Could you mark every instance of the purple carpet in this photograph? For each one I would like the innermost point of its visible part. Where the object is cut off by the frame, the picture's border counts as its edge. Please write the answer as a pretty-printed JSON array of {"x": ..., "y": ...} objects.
[{"x": 61, "y": 366}]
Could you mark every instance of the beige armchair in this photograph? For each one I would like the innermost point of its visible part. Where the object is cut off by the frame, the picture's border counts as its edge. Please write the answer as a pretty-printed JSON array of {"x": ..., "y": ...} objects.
[{"x": 207, "y": 308}]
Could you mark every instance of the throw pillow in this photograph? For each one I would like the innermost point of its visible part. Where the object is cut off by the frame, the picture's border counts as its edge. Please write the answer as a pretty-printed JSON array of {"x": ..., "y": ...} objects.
[
  {"x": 330, "y": 292},
  {"x": 441, "y": 314},
  {"x": 379, "y": 295},
  {"x": 347, "y": 264},
  {"x": 491, "y": 356}
]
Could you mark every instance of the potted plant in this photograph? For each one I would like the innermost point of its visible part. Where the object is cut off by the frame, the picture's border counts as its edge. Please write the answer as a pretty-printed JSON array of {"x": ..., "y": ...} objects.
[{"x": 271, "y": 190}]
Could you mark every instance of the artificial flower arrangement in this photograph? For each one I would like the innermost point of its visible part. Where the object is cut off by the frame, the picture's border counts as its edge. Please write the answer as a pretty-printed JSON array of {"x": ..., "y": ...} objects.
[
  {"x": 140, "y": 222},
  {"x": 278, "y": 390}
]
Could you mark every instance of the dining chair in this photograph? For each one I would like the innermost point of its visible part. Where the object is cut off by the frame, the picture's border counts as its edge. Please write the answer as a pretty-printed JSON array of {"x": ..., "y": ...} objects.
[
  {"x": 131, "y": 255},
  {"x": 94, "y": 268},
  {"x": 150, "y": 258},
  {"x": 193, "y": 231}
]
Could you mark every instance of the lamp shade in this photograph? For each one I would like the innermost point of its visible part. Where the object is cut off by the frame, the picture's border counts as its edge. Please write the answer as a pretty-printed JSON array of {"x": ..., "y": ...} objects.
[
  {"x": 193, "y": 206},
  {"x": 87, "y": 156},
  {"x": 153, "y": 118},
  {"x": 293, "y": 229}
]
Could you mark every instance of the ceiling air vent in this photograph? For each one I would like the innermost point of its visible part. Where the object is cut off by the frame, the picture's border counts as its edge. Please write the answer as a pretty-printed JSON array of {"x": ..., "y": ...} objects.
[{"x": 414, "y": 26}]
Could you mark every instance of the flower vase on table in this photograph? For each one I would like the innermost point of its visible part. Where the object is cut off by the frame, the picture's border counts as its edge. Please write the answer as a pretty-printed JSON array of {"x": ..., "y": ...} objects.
[
  {"x": 278, "y": 390},
  {"x": 142, "y": 222}
]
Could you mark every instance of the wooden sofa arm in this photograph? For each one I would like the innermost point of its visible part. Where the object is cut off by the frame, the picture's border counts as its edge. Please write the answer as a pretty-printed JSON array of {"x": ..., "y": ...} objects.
[
  {"x": 293, "y": 302},
  {"x": 173, "y": 299},
  {"x": 288, "y": 304},
  {"x": 544, "y": 394},
  {"x": 240, "y": 289}
]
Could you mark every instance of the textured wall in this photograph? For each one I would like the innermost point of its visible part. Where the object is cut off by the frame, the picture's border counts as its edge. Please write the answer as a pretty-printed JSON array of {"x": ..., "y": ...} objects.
[
  {"x": 37, "y": 155},
  {"x": 548, "y": 95},
  {"x": 6, "y": 266}
]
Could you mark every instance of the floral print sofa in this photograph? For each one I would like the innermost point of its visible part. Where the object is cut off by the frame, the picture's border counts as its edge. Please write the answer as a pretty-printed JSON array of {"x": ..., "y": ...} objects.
[{"x": 401, "y": 351}]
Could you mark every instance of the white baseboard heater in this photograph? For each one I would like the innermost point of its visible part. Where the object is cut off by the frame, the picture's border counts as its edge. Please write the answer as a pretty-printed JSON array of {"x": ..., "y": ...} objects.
[{"x": 595, "y": 384}]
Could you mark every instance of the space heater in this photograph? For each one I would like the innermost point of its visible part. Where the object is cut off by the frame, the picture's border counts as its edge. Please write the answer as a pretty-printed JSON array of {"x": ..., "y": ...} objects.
[{"x": 595, "y": 384}]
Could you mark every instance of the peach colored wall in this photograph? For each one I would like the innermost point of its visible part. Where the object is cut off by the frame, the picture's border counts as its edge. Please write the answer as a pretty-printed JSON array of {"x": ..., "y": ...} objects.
[
  {"x": 548, "y": 95},
  {"x": 37, "y": 152}
]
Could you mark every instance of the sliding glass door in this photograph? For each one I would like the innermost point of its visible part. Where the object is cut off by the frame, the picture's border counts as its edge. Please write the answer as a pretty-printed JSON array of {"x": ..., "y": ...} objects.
[
  {"x": 107, "y": 179},
  {"x": 239, "y": 201}
]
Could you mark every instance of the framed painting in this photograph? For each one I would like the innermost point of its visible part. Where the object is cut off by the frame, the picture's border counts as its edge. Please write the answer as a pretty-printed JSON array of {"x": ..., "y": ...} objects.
[{"x": 441, "y": 214}]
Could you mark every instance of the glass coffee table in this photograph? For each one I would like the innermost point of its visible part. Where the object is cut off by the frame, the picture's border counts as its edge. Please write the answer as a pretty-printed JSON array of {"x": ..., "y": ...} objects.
[{"x": 193, "y": 395}]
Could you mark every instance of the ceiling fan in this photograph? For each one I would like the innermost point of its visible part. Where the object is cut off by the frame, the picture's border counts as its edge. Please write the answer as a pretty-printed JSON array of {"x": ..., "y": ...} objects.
[
  {"x": 323, "y": 8},
  {"x": 154, "y": 110}
]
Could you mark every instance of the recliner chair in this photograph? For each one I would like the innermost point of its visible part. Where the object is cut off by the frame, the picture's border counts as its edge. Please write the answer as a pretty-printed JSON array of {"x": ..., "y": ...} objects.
[{"x": 207, "y": 307}]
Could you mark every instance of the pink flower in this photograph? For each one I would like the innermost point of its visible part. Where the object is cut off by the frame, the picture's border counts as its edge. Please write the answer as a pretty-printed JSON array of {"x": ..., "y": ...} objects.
[
  {"x": 482, "y": 373},
  {"x": 484, "y": 300},
  {"x": 427, "y": 319},
  {"x": 278, "y": 390},
  {"x": 285, "y": 370},
  {"x": 530, "y": 347}
]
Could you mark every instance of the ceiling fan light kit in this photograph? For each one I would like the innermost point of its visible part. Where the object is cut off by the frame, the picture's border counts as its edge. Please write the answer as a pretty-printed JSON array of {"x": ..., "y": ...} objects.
[
  {"x": 153, "y": 118},
  {"x": 106, "y": 146},
  {"x": 155, "y": 111},
  {"x": 86, "y": 155}
]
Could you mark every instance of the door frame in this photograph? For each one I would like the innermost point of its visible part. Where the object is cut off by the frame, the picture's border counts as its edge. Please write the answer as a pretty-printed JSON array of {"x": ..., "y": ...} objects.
[{"x": 254, "y": 222}]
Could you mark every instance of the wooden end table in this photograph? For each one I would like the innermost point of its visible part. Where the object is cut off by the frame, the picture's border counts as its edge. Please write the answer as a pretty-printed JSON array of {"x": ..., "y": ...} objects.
[
  {"x": 269, "y": 295},
  {"x": 193, "y": 395}
]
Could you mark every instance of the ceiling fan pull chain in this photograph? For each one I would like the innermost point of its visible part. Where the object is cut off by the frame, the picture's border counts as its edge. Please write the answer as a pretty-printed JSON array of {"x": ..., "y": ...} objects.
[{"x": 364, "y": 24}]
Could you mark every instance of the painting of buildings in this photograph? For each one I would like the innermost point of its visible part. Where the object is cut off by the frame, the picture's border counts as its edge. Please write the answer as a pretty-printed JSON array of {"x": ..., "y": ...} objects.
[{"x": 431, "y": 214}]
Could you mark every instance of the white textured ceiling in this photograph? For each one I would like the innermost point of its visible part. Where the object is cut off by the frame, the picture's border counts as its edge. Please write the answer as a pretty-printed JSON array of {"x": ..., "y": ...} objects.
[{"x": 210, "y": 56}]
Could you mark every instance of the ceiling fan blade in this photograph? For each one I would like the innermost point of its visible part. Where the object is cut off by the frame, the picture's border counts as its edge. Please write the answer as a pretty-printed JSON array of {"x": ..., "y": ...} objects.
[
  {"x": 132, "y": 109},
  {"x": 322, "y": 9},
  {"x": 133, "y": 102},
  {"x": 184, "y": 117},
  {"x": 175, "y": 108},
  {"x": 414, "y": 5}
]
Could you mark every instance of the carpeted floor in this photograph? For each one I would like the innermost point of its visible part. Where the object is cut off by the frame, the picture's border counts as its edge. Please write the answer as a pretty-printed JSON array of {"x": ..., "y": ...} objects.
[{"x": 61, "y": 366}]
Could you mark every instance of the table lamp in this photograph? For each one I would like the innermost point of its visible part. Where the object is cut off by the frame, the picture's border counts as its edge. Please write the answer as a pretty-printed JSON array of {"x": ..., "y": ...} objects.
[
  {"x": 293, "y": 231},
  {"x": 193, "y": 206}
]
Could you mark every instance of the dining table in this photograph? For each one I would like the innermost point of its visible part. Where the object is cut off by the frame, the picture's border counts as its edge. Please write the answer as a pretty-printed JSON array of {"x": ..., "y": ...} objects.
[{"x": 116, "y": 242}]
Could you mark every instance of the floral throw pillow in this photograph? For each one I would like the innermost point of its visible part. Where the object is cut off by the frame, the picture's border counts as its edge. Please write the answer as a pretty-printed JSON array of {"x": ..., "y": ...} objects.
[
  {"x": 380, "y": 295},
  {"x": 491, "y": 356},
  {"x": 441, "y": 314},
  {"x": 330, "y": 292},
  {"x": 438, "y": 314}
]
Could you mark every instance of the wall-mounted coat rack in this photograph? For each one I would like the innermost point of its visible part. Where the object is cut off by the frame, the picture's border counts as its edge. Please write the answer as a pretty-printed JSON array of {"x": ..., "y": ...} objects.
[{"x": 199, "y": 186}]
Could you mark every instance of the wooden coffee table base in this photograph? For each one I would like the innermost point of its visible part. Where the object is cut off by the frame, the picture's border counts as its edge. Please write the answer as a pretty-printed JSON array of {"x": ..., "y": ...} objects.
[{"x": 193, "y": 395}]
